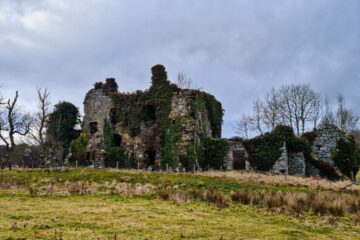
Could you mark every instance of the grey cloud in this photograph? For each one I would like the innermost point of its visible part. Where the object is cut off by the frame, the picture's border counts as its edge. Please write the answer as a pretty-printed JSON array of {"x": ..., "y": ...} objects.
[{"x": 237, "y": 50}]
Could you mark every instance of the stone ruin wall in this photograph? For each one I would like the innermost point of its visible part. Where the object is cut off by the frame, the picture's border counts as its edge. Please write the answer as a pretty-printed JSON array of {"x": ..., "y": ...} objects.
[
  {"x": 282, "y": 164},
  {"x": 139, "y": 144},
  {"x": 297, "y": 164},
  {"x": 237, "y": 157},
  {"x": 288, "y": 163},
  {"x": 182, "y": 107},
  {"x": 325, "y": 141},
  {"x": 96, "y": 108}
]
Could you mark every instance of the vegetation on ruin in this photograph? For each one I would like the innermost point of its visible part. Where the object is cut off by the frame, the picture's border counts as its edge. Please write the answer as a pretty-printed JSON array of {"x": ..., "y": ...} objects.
[
  {"x": 346, "y": 156},
  {"x": 152, "y": 108},
  {"x": 61, "y": 125},
  {"x": 214, "y": 154},
  {"x": 78, "y": 149},
  {"x": 84, "y": 203},
  {"x": 265, "y": 149},
  {"x": 115, "y": 154}
]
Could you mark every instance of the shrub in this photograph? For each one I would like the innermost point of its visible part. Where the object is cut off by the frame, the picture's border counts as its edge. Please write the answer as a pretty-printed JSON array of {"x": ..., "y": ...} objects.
[
  {"x": 264, "y": 150},
  {"x": 164, "y": 194},
  {"x": 78, "y": 149},
  {"x": 346, "y": 156},
  {"x": 215, "y": 151},
  {"x": 243, "y": 196}
]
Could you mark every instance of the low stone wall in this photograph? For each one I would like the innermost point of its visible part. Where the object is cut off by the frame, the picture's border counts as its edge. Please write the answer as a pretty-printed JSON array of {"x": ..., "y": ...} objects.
[{"x": 297, "y": 164}]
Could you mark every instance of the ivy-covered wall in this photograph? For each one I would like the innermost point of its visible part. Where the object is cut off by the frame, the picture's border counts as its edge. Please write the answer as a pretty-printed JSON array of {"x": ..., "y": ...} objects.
[
  {"x": 265, "y": 150},
  {"x": 162, "y": 126}
]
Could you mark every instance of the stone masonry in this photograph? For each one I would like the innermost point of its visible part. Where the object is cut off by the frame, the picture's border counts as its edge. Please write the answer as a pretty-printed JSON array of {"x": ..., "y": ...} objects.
[
  {"x": 146, "y": 144},
  {"x": 325, "y": 142},
  {"x": 96, "y": 109}
]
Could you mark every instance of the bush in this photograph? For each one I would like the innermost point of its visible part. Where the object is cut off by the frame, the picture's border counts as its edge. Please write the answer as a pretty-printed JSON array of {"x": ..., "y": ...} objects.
[
  {"x": 264, "y": 150},
  {"x": 346, "y": 156},
  {"x": 78, "y": 149},
  {"x": 215, "y": 151},
  {"x": 114, "y": 153}
]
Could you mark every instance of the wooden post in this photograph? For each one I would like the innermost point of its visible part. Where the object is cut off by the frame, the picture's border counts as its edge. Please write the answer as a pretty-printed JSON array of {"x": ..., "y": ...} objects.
[
  {"x": 117, "y": 164},
  {"x": 76, "y": 164}
]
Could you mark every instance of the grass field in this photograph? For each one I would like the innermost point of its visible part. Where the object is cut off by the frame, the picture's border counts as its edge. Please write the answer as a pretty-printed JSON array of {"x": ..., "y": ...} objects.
[{"x": 131, "y": 205}]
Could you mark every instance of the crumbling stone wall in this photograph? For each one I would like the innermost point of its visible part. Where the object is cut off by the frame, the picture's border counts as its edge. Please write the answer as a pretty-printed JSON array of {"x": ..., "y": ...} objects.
[
  {"x": 192, "y": 124},
  {"x": 147, "y": 122},
  {"x": 297, "y": 164},
  {"x": 237, "y": 157},
  {"x": 282, "y": 164},
  {"x": 97, "y": 106},
  {"x": 325, "y": 141}
]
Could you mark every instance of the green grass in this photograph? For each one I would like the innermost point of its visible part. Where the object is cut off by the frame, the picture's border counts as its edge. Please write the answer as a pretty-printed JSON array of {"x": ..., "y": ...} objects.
[
  {"x": 84, "y": 217},
  {"x": 26, "y": 178},
  {"x": 105, "y": 216}
]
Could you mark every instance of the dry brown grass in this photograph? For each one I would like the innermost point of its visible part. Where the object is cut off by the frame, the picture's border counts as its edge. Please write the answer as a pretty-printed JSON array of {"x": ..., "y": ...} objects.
[
  {"x": 263, "y": 178},
  {"x": 320, "y": 203}
]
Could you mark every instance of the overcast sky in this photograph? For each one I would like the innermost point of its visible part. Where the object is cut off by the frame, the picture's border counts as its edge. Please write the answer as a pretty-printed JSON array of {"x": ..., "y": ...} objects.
[{"x": 236, "y": 50}]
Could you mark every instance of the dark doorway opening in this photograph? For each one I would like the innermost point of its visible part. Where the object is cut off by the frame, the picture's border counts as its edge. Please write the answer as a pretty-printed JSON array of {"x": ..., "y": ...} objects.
[
  {"x": 117, "y": 139},
  {"x": 150, "y": 157},
  {"x": 150, "y": 113},
  {"x": 93, "y": 127},
  {"x": 113, "y": 116},
  {"x": 238, "y": 160}
]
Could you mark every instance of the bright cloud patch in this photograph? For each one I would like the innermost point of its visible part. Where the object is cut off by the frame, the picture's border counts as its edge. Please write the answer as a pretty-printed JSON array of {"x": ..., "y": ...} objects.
[{"x": 34, "y": 20}]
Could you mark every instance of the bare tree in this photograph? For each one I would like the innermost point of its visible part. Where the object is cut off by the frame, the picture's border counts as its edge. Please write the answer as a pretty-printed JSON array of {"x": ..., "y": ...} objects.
[
  {"x": 13, "y": 122},
  {"x": 183, "y": 81},
  {"x": 328, "y": 118},
  {"x": 243, "y": 126},
  {"x": 346, "y": 119},
  {"x": 317, "y": 108},
  {"x": 258, "y": 107},
  {"x": 299, "y": 106},
  {"x": 271, "y": 110},
  {"x": 40, "y": 118}
]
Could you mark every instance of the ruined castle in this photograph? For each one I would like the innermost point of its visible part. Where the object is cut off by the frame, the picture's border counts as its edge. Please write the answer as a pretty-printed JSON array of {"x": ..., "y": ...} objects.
[
  {"x": 166, "y": 126},
  {"x": 163, "y": 122}
]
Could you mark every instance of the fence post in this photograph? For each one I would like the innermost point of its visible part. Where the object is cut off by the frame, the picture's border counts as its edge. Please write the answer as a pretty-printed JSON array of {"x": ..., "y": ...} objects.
[{"x": 117, "y": 164}]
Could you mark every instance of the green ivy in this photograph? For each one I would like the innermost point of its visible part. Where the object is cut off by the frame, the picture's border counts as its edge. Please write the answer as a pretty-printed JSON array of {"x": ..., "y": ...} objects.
[
  {"x": 170, "y": 149},
  {"x": 114, "y": 154},
  {"x": 205, "y": 103},
  {"x": 152, "y": 108},
  {"x": 78, "y": 149},
  {"x": 346, "y": 156},
  {"x": 215, "y": 151},
  {"x": 189, "y": 160},
  {"x": 264, "y": 150}
]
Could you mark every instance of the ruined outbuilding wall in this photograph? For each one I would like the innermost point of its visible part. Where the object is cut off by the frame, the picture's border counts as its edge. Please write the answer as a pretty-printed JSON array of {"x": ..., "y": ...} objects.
[
  {"x": 297, "y": 164},
  {"x": 282, "y": 164},
  {"x": 237, "y": 157},
  {"x": 325, "y": 142}
]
